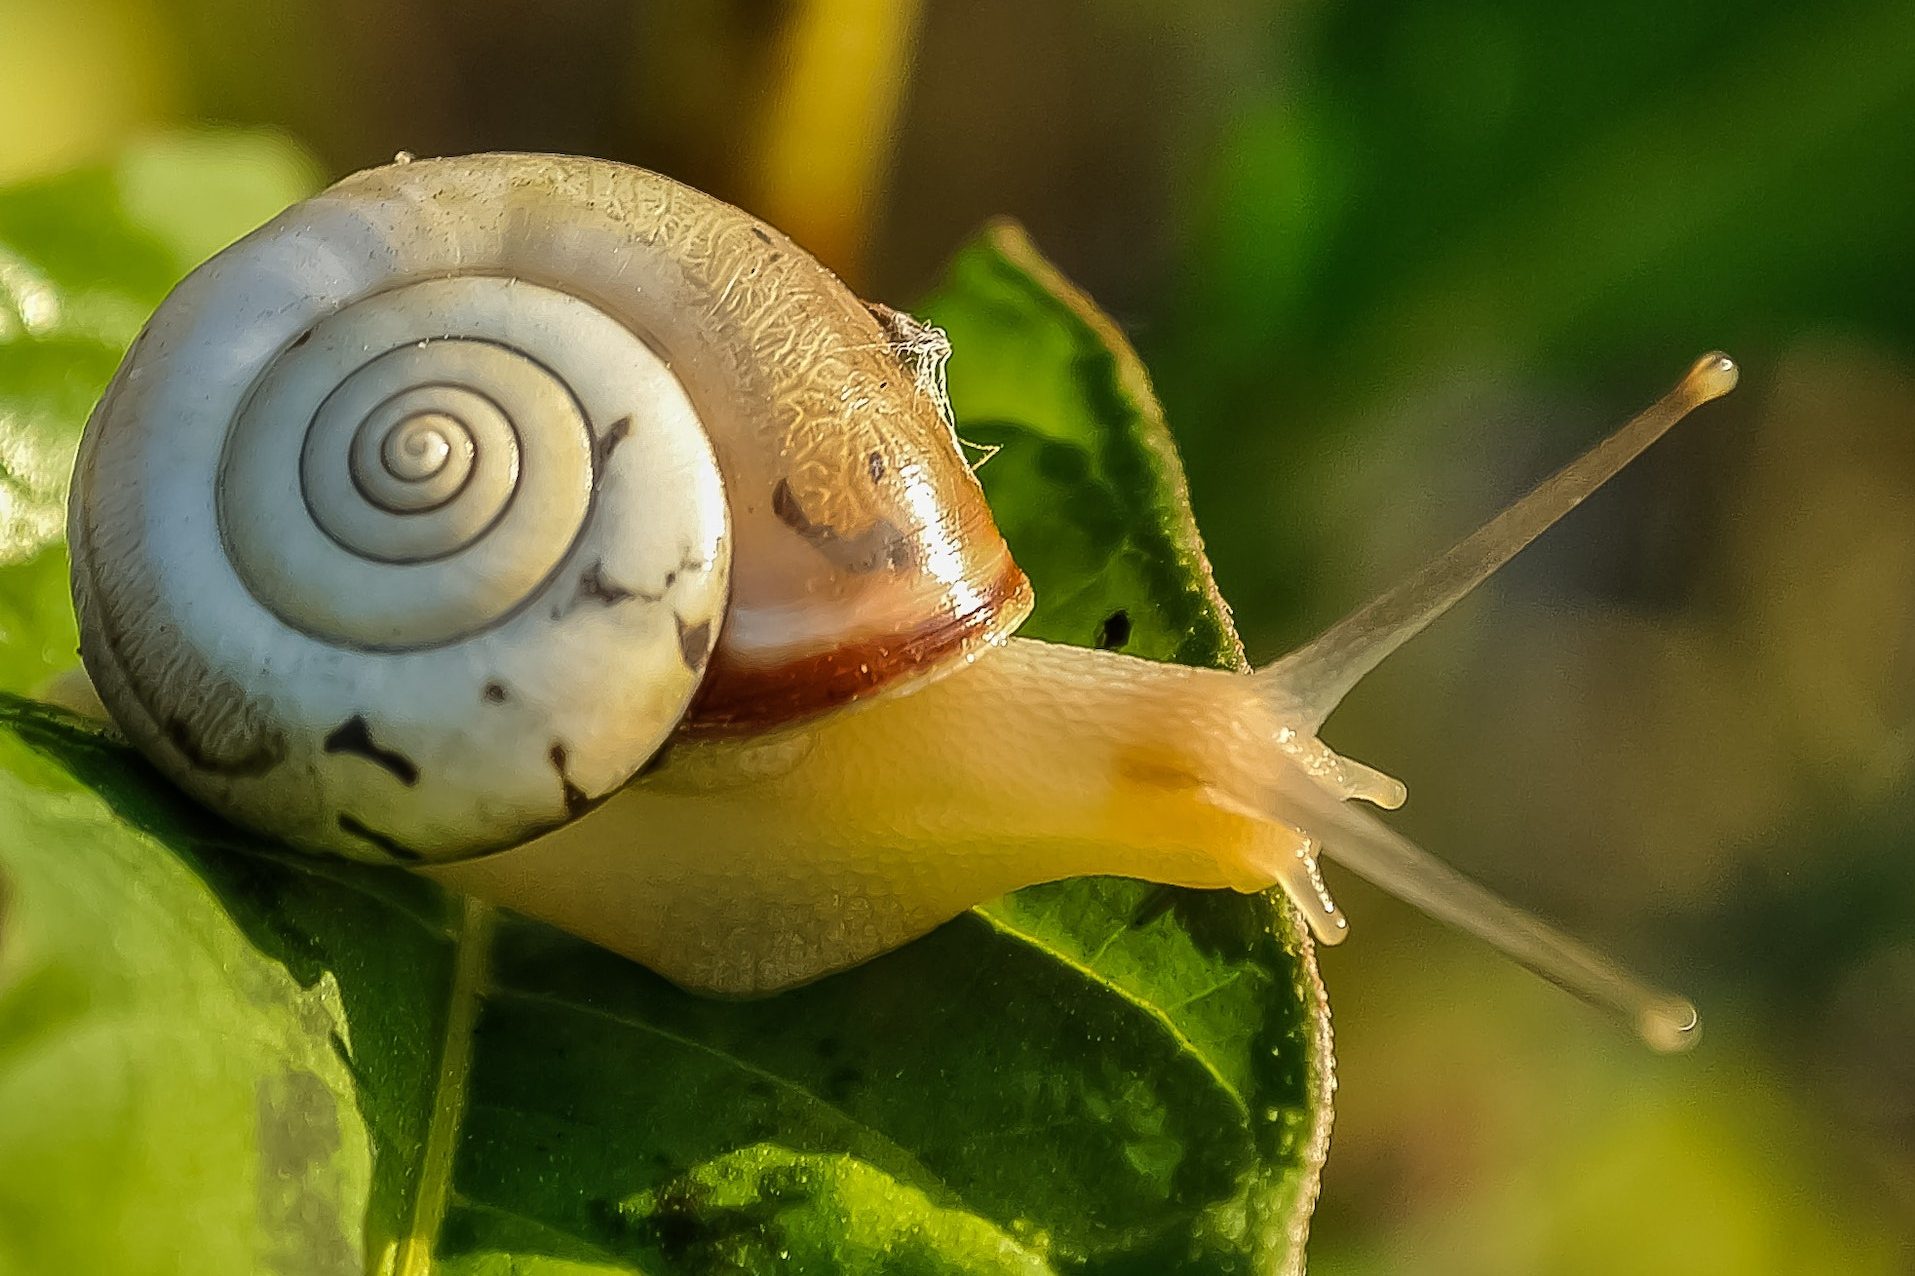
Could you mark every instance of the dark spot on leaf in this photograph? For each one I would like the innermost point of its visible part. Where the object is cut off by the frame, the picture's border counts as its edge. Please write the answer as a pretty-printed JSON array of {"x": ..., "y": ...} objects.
[
  {"x": 355, "y": 737},
  {"x": 495, "y": 692},
  {"x": 576, "y": 803},
  {"x": 843, "y": 1080},
  {"x": 391, "y": 846},
  {"x": 694, "y": 643},
  {"x": 686, "y": 1226},
  {"x": 1115, "y": 631}
]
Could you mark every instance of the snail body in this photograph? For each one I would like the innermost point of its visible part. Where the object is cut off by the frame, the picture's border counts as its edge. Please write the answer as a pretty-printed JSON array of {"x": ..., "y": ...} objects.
[{"x": 560, "y": 532}]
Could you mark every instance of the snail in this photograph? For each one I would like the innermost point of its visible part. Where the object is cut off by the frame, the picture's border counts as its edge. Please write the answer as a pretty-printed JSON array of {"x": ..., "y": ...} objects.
[{"x": 555, "y": 530}]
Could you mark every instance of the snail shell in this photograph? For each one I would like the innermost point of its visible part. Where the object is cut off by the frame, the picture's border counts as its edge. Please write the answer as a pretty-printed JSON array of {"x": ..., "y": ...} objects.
[{"x": 421, "y": 518}]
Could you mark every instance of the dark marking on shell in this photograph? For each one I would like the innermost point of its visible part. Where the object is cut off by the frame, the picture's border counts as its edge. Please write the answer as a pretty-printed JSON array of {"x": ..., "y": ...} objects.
[
  {"x": 694, "y": 643},
  {"x": 880, "y": 545},
  {"x": 593, "y": 584},
  {"x": 602, "y": 446},
  {"x": 576, "y": 802},
  {"x": 354, "y": 736},
  {"x": 390, "y": 845},
  {"x": 764, "y": 236},
  {"x": 267, "y": 754},
  {"x": 494, "y": 693},
  {"x": 1115, "y": 631}
]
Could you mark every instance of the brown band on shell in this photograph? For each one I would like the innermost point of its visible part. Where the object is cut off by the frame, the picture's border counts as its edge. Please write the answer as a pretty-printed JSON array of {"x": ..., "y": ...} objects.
[{"x": 738, "y": 698}]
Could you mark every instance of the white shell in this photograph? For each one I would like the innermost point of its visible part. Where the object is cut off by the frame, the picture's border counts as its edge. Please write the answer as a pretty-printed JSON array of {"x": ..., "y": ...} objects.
[{"x": 389, "y": 551}]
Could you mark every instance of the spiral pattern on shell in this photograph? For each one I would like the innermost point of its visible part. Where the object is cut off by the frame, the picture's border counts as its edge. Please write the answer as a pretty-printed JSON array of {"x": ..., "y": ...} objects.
[
  {"x": 393, "y": 560},
  {"x": 468, "y": 451}
]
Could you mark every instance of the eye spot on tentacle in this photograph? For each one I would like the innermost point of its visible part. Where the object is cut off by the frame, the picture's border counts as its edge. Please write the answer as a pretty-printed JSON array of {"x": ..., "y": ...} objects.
[
  {"x": 1115, "y": 631},
  {"x": 354, "y": 736},
  {"x": 373, "y": 837},
  {"x": 694, "y": 643}
]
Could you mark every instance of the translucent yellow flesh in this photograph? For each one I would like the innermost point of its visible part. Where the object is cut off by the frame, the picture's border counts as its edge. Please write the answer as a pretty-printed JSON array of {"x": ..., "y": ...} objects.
[{"x": 742, "y": 868}]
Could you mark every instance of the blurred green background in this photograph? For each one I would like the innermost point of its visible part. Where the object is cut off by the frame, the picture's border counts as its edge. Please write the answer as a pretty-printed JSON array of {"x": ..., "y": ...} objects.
[{"x": 1390, "y": 263}]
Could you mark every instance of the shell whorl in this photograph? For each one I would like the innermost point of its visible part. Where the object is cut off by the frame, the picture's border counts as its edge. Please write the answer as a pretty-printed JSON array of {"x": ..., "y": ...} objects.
[
  {"x": 396, "y": 561},
  {"x": 466, "y": 450}
]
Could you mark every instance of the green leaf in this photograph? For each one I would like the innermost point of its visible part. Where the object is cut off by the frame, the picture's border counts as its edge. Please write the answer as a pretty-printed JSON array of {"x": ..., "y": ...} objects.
[
  {"x": 84, "y": 258},
  {"x": 217, "y": 1057}
]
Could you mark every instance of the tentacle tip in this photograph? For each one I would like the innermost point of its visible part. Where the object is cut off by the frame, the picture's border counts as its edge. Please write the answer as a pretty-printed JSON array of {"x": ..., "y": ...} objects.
[
  {"x": 1712, "y": 376},
  {"x": 1329, "y": 931},
  {"x": 1391, "y": 796},
  {"x": 1669, "y": 1025}
]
